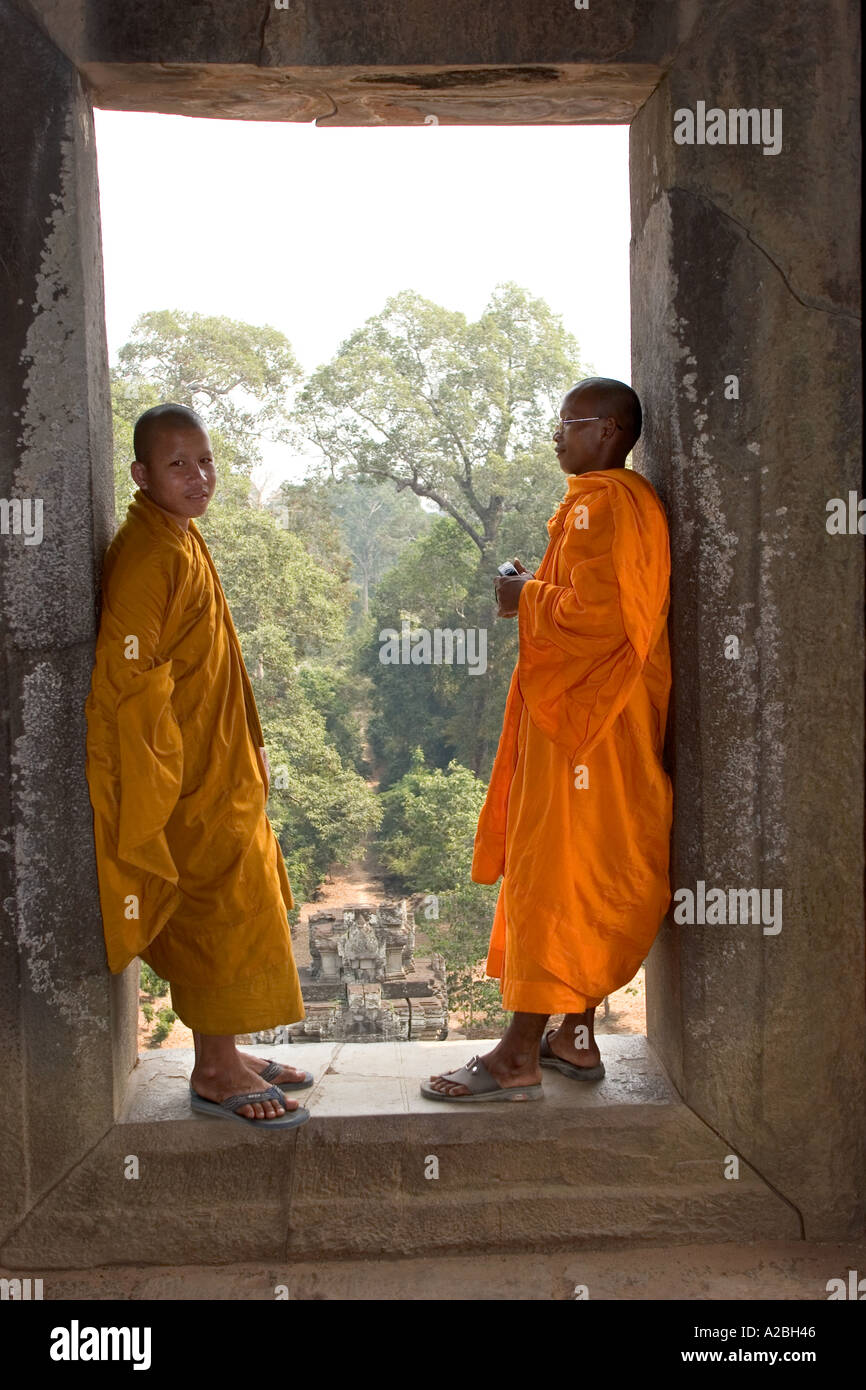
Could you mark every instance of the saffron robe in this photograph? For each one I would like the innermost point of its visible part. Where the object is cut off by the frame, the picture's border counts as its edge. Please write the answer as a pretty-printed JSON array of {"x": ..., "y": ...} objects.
[
  {"x": 191, "y": 877},
  {"x": 578, "y": 811}
]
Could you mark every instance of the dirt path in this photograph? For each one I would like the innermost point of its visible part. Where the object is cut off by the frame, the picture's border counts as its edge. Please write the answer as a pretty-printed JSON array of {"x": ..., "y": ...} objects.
[{"x": 356, "y": 883}]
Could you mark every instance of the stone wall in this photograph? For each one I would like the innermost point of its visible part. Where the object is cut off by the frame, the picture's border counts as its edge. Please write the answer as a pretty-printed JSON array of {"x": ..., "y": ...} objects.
[
  {"x": 67, "y": 1038},
  {"x": 746, "y": 264}
]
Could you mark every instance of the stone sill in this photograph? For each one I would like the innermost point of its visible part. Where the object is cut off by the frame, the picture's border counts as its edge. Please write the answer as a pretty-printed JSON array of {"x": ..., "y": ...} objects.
[
  {"x": 622, "y": 1161},
  {"x": 370, "y": 1079}
]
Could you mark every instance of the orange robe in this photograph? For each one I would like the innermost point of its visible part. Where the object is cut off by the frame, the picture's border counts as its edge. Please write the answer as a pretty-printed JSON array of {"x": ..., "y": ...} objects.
[
  {"x": 578, "y": 812},
  {"x": 191, "y": 877}
]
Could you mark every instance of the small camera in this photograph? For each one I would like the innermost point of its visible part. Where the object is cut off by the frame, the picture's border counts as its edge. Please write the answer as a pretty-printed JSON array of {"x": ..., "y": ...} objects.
[{"x": 507, "y": 569}]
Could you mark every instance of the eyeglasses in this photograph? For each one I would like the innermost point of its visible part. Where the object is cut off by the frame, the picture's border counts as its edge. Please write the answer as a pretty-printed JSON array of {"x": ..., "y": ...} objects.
[{"x": 579, "y": 420}]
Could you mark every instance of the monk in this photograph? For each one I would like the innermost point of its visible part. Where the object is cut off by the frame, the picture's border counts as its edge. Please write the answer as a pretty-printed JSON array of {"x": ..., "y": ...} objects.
[
  {"x": 191, "y": 877},
  {"x": 578, "y": 812}
]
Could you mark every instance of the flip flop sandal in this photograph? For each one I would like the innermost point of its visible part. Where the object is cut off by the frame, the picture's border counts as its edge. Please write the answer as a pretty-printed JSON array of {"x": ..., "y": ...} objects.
[
  {"x": 227, "y": 1109},
  {"x": 550, "y": 1059},
  {"x": 272, "y": 1071},
  {"x": 482, "y": 1085}
]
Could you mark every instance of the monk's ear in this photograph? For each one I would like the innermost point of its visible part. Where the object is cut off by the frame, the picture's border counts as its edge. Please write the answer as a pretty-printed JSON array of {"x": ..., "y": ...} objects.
[{"x": 139, "y": 474}]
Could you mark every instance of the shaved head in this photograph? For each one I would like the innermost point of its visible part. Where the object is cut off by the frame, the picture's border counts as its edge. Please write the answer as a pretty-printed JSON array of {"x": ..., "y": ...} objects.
[
  {"x": 169, "y": 416},
  {"x": 603, "y": 395}
]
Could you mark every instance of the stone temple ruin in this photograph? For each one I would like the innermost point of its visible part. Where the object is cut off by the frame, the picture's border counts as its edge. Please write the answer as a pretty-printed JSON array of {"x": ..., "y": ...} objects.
[{"x": 363, "y": 983}]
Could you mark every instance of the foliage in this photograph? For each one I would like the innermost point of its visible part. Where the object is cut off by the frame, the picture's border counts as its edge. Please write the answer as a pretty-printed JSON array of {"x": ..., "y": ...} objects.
[
  {"x": 462, "y": 936},
  {"x": 460, "y": 413},
  {"x": 291, "y": 616},
  {"x": 336, "y": 694},
  {"x": 373, "y": 524},
  {"x": 237, "y": 375},
  {"x": 166, "y": 1019},
  {"x": 428, "y": 826},
  {"x": 321, "y": 810},
  {"x": 150, "y": 983}
]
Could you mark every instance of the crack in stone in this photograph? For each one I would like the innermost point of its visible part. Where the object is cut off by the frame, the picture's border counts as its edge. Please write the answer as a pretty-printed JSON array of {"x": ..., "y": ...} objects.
[
  {"x": 328, "y": 114},
  {"x": 807, "y": 301},
  {"x": 262, "y": 28}
]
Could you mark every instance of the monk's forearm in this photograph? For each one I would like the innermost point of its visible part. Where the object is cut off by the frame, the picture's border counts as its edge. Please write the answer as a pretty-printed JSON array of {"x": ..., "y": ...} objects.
[{"x": 557, "y": 614}]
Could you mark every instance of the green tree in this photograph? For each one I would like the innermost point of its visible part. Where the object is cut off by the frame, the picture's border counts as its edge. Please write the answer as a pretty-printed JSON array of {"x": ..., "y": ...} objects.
[
  {"x": 413, "y": 706},
  {"x": 428, "y": 826},
  {"x": 461, "y": 414},
  {"x": 461, "y": 935},
  {"x": 166, "y": 1019},
  {"x": 291, "y": 616},
  {"x": 374, "y": 523},
  {"x": 239, "y": 376}
]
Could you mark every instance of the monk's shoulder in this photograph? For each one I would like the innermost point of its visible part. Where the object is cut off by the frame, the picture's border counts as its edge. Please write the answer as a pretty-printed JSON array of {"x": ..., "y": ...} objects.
[
  {"x": 589, "y": 524},
  {"x": 142, "y": 561},
  {"x": 610, "y": 506},
  {"x": 644, "y": 495}
]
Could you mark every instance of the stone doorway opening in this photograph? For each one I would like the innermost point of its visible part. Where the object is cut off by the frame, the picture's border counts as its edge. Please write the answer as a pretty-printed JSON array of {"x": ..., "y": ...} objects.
[
  {"x": 743, "y": 266},
  {"x": 152, "y": 268}
]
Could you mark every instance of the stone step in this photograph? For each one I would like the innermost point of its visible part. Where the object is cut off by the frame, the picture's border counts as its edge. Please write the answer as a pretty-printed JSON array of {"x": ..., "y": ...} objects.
[
  {"x": 621, "y": 1161},
  {"x": 783, "y": 1270},
  {"x": 541, "y": 1218}
]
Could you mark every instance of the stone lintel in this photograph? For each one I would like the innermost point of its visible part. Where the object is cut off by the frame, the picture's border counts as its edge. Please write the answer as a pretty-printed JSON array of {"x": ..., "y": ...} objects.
[{"x": 566, "y": 94}]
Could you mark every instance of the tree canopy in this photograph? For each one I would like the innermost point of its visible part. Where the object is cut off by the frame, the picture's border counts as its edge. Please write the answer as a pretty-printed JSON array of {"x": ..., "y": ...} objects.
[
  {"x": 238, "y": 376},
  {"x": 461, "y": 413}
]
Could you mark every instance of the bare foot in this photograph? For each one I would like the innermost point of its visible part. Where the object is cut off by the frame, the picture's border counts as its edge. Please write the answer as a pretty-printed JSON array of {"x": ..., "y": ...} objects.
[
  {"x": 508, "y": 1069},
  {"x": 258, "y": 1064},
  {"x": 561, "y": 1044},
  {"x": 218, "y": 1084}
]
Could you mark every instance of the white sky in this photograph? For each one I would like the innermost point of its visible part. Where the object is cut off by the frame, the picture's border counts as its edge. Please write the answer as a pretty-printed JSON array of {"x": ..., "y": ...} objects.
[{"x": 312, "y": 229}]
